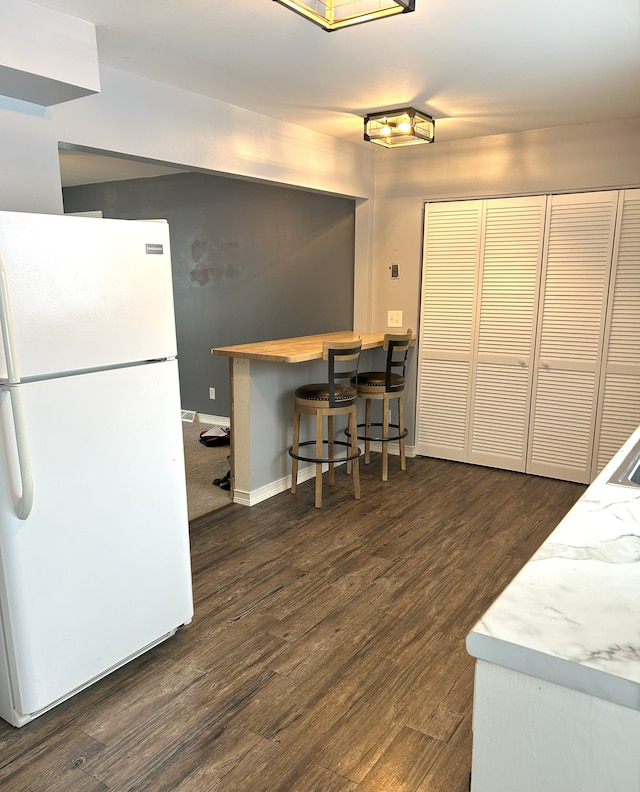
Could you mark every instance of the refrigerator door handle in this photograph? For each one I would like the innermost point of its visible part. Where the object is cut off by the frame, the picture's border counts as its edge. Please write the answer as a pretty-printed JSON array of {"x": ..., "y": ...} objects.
[
  {"x": 6, "y": 321},
  {"x": 25, "y": 502}
]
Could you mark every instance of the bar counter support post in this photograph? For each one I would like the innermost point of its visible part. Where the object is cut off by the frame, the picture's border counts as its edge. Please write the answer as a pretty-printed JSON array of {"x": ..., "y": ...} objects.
[{"x": 240, "y": 380}]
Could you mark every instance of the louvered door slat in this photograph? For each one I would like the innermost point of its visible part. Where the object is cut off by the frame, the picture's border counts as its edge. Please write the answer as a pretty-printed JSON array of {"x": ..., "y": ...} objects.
[
  {"x": 563, "y": 452},
  {"x": 576, "y": 271},
  {"x": 500, "y": 416},
  {"x": 442, "y": 406},
  {"x": 451, "y": 244},
  {"x": 619, "y": 413},
  {"x": 507, "y": 300}
]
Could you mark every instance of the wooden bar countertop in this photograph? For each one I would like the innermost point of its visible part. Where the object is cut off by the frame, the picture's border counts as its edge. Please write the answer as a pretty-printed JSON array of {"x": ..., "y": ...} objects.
[{"x": 297, "y": 350}]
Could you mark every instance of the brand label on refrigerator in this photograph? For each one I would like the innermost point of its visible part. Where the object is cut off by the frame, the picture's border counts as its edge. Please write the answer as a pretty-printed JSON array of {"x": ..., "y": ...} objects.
[{"x": 154, "y": 249}]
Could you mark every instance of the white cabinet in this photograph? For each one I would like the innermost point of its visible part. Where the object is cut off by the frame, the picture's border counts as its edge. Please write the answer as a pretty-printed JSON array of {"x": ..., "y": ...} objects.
[
  {"x": 531, "y": 735},
  {"x": 518, "y": 322}
]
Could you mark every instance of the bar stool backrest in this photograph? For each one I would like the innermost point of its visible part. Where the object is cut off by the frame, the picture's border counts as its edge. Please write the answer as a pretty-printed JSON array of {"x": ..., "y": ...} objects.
[
  {"x": 396, "y": 345},
  {"x": 340, "y": 354}
]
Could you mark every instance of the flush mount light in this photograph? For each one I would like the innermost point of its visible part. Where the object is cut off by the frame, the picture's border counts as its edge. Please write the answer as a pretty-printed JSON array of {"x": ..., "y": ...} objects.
[
  {"x": 404, "y": 127},
  {"x": 336, "y": 14}
]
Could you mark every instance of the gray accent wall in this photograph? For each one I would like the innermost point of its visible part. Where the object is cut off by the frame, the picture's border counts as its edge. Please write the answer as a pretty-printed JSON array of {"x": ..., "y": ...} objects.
[{"x": 251, "y": 262}]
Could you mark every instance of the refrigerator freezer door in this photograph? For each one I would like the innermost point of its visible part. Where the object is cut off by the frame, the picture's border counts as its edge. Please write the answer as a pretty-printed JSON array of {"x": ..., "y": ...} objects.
[
  {"x": 101, "y": 569},
  {"x": 86, "y": 292}
]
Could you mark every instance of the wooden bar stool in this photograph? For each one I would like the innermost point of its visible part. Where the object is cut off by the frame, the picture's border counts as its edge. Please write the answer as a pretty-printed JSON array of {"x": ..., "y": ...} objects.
[
  {"x": 384, "y": 386},
  {"x": 329, "y": 399}
]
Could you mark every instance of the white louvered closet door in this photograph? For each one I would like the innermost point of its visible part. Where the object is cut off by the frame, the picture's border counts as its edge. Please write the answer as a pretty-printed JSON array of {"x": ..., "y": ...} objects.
[
  {"x": 576, "y": 267},
  {"x": 619, "y": 411},
  {"x": 451, "y": 253},
  {"x": 508, "y": 287}
]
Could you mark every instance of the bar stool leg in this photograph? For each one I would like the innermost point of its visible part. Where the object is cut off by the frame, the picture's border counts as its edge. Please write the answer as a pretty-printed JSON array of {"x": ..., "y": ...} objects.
[
  {"x": 353, "y": 428},
  {"x": 296, "y": 449},
  {"x": 330, "y": 439},
  {"x": 403, "y": 456},
  {"x": 319, "y": 427},
  {"x": 367, "y": 430},
  {"x": 385, "y": 433}
]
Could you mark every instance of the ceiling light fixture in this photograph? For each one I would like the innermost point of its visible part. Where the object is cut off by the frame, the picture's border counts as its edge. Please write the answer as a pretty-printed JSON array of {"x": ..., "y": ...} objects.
[
  {"x": 405, "y": 127},
  {"x": 336, "y": 14}
]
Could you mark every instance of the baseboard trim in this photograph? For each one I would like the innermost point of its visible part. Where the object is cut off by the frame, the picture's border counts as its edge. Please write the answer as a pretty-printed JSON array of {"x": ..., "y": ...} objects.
[
  {"x": 218, "y": 420},
  {"x": 256, "y": 496},
  {"x": 274, "y": 488},
  {"x": 394, "y": 449},
  {"x": 267, "y": 491}
]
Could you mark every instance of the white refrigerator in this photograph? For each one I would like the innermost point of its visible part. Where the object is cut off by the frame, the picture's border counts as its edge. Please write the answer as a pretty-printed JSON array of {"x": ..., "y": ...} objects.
[{"x": 94, "y": 542}]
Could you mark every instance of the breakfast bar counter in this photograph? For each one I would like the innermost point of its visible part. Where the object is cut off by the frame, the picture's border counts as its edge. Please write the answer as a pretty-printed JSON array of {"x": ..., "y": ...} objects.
[
  {"x": 296, "y": 350},
  {"x": 263, "y": 377}
]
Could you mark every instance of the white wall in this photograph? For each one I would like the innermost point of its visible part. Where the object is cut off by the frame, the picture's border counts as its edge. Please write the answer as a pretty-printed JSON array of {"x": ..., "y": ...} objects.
[
  {"x": 46, "y": 56},
  {"x": 140, "y": 118},
  {"x": 137, "y": 117},
  {"x": 562, "y": 159},
  {"x": 30, "y": 180}
]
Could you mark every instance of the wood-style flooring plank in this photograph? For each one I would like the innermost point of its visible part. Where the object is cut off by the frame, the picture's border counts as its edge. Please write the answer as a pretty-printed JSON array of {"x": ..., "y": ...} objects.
[
  {"x": 451, "y": 770},
  {"x": 318, "y": 779},
  {"x": 209, "y": 772},
  {"x": 326, "y": 653},
  {"x": 158, "y": 752},
  {"x": 404, "y": 764},
  {"x": 56, "y": 764}
]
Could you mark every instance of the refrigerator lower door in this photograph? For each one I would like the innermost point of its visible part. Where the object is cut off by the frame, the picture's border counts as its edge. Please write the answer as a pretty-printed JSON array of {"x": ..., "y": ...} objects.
[{"x": 100, "y": 571}]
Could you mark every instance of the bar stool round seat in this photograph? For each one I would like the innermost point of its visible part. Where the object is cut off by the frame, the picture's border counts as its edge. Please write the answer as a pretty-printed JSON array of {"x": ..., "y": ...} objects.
[
  {"x": 376, "y": 382},
  {"x": 328, "y": 400},
  {"x": 319, "y": 392},
  {"x": 385, "y": 386}
]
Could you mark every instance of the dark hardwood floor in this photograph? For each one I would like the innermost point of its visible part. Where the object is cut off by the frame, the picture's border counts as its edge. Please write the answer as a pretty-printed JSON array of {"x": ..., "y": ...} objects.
[{"x": 327, "y": 649}]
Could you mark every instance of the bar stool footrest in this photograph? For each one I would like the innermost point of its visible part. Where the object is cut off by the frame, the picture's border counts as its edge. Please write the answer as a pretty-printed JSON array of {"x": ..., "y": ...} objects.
[
  {"x": 373, "y": 439},
  {"x": 334, "y": 459}
]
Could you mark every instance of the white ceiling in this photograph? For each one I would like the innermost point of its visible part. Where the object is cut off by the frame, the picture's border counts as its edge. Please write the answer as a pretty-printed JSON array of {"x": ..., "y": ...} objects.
[{"x": 480, "y": 67}]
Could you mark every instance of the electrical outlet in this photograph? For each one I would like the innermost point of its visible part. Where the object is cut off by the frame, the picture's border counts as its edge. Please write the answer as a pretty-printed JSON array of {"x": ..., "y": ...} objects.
[
  {"x": 394, "y": 318},
  {"x": 212, "y": 393}
]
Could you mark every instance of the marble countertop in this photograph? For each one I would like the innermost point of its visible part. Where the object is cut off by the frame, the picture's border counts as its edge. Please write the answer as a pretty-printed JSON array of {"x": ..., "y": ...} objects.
[{"x": 572, "y": 614}]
